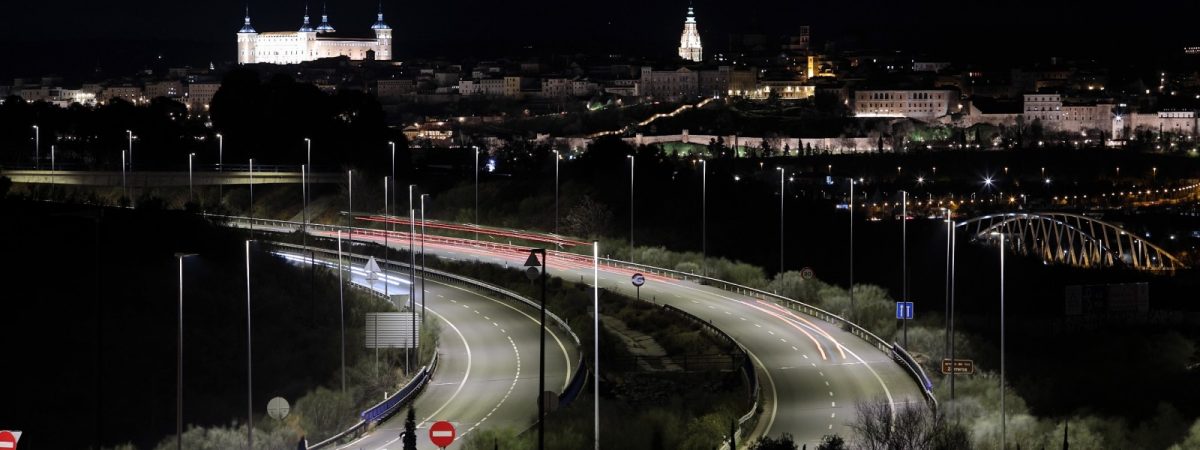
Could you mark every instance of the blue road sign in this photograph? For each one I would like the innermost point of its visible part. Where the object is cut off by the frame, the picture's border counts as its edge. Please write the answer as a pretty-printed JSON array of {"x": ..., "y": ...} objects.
[{"x": 904, "y": 310}]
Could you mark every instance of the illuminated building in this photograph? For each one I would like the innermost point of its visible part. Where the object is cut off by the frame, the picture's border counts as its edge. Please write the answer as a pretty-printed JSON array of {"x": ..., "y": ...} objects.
[
  {"x": 689, "y": 41},
  {"x": 308, "y": 44}
]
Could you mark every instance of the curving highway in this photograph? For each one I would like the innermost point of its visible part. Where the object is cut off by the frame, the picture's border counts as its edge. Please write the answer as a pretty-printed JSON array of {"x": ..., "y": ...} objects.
[{"x": 487, "y": 374}]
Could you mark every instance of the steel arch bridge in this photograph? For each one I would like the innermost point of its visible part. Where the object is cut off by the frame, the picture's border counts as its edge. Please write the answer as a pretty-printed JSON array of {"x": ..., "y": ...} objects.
[{"x": 1071, "y": 239}]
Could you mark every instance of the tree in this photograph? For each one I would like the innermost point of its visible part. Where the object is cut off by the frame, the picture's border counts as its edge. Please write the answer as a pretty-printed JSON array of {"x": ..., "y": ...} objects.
[
  {"x": 783, "y": 442},
  {"x": 410, "y": 430},
  {"x": 832, "y": 442},
  {"x": 588, "y": 218},
  {"x": 913, "y": 428}
]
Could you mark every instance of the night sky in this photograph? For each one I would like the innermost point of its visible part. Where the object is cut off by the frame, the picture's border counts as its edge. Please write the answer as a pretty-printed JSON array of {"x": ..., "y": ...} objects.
[{"x": 482, "y": 29}]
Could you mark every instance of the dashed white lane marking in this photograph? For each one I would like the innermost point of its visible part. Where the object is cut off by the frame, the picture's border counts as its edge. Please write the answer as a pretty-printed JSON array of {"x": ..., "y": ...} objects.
[
  {"x": 757, "y": 325},
  {"x": 783, "y": 340},
  {"x": 711, "y": 307},
  {"x": 833, "y": 404},
  {"x": 487, "y": 318},
  {"x": 516, "y": 377},
  {"x": 805, "y": 356},
  {"x": 831, "y": 426},
  {"x": 440, "y": 296},
  {"x": 452, "y": 300},
  {"x": 832, "y": 415},
  {"x": 740, "y": 317},
  {"x": 477, "y": 311},
  {"x": 696, "y": 302},
  {"x": 831, "y": 393},
  {"x": 814, "y": 364},
  {"x": 772, "y": 333},
  {"x": 467, "y": 306},
  {"x": 494, "y": 324},
  {"x": 794, "y": 348},
  {"x": 502, "y": 331},
  {"x": 827, "y": 383},
  {"x": 727, "y": 312},
  {"x": 822, "y": 373}
]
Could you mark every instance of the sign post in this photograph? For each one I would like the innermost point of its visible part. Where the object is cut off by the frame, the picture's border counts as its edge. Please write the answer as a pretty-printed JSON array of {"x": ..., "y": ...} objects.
[
  {"x": 8, "y": 440},
  {"x": 904, "y": 310},
  {"x": 442, "y": 434},
  {"x": 958, "y": 366},
  {"x": 638, "y": 280},
  {"x": 806, "y": 273}
]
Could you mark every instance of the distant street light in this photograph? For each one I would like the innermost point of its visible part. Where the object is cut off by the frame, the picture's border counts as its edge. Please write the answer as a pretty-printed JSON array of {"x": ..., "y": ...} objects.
[
  {"x": 130, "y": 134},
  {"x": 704, "y": 217},
  {"x": 37, "y": 147},
  {"x": 782, "y": 188},
  {"x": 631, "y": 164},
  {"x": 179, "y": 359},
  {"x": 342, "y": 307},
  {"x": 191, "y": 195},
  {"x": 557, "y": 158},
  {"x": 249, "y": 367}
]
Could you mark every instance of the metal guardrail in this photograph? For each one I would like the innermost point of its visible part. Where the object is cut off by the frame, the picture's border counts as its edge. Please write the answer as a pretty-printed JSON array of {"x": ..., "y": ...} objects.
[
  {"x": 574, "y": 386},
  {"x": 851, "y": 327},
  {"x": 748, "y": 421}
]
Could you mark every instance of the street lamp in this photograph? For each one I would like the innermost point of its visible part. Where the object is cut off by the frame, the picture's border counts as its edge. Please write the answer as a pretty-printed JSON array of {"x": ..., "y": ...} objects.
[
  {"x": 704, "y": 217},
  {"x": 557, "y": 157},
  {"x": 904, "y": 255},
  {"x": 782, "y": 187},
  {"x": 37, "y": 147},
  {"x": 53, "y": 171},
  {"x": 179, "y": 359},
  {"x": 476, "y": 192},
  {"x": 249, "y": 367},
  {"x": 385, "y": 238},
  {"x": 533, "y": 274},
  {"x": 130, "y": 134},
  {"x": 392, "y": 187},
  {"x": 1003, "y": 417},
  {"x": 631, "y": 164},
  {"x": 412, "y": 269},
  {"x": 422, "y": 260},
  {"x": 251, "y": 196},
  {"x": 191, "y": 195},
  {"x": 850, "y": 207},
  {"x": 596, "y": 338},
  {"x": 124, "y": 188},
  {"x": 342, "y": 307}
]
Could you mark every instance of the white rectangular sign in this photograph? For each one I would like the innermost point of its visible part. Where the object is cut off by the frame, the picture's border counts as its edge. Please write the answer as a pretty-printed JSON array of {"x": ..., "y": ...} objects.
[{"x": 391, "y": 330}]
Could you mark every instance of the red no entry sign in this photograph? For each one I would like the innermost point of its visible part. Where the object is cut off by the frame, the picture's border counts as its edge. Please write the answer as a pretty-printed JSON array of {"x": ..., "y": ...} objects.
[
  {"x": 8, "y": 441},
  {"x": 442, "y": 434}
]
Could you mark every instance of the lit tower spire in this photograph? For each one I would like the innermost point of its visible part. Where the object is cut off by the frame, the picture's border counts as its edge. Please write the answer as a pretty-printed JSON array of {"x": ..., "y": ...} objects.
[
  {"x": 689, "y": 41},
  {"x": 379, "y": 24},
  {"x": 246, "y": 28},
  {"x": 306, "y": 28},
  {"x": 324, "y": 27}
]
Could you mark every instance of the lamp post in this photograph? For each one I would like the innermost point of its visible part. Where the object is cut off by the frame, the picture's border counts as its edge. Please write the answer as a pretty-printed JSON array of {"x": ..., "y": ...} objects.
[
  {"x": 179, "y": 359},
  {"x": 53, "y": 171},
  {"x": 392, "y": 187},
  {"x": 704, "y": 217},
  {"x": 251, "y": 196},
  {"x": 304, "y": 186},
  {"x": 249, "y": 366},
  {"x": 191, "y": 195},
  {"x": 953, "y": 293},
  {"x": 1003, "y": 416},
  {"x": 596, "y": 338},
  {"x": 412, "y": 268},
  {"x": 476, "y": 192},
  {"x": 385, "y": 238},
  {"x": 350, "y": 214},
  {"x": 124, "y": 187},
  {"x": 37, "y": 147},
  {"x": 130, "y": 134},
  {"x": 221, "y": 166},
  {"x": 850, "y": 207},
  {"x": 782, "y": 187},
  {"x": 422, "y": 261},
  {"x": 557, "y": 157},
  {"x": 631, "y": 164},
  {"x": 533, "y": 274},
  {"x": 342, "y": 307},
  {"x": 904, "y": 255}
]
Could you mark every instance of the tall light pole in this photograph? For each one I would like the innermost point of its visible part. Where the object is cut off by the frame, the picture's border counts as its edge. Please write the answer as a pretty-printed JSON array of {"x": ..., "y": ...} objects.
[
  {"x": 632, "y": 159},
  {"x": 476, "y": 192},
  {"x": 392, "y": 187},
  {"x": 37, "y": 147},
  {"x": 304, "y": 185},
  {"x": 385, "y": 238},
  {"x": 124, "y": 187},
  {"x": 1003, "y": 416},
  {"x": 782, "y": 187},
  {"x": 953, "y": 294},
  {"x": 191, "y": 195},
  {"x": 596, "y": 339},
  {"x": 179, "y": 359},
  {"x": 851, "y": 209},
  {"x": 350, "y": 214},
  {"x": 53, "y": 177},
  {"x": 249, "y": 366},
  {"x": 704, "y": 217},
  {"x": 342, "y": 307},
  {"x": 904, "y": 255},
  {"x": 557, "y": 157},
  {"x": 251, "y": 196},
  {"x": 221, "y": 166},
  {"x": 130, "y": 134},
  {"x": 422, "y": 259},
  {"x": 412, "y": 269}
]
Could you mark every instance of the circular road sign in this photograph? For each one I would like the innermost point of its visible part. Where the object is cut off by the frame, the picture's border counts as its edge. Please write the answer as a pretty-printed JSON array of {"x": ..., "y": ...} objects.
[
  {"x": 8, "y": 440},
  {"x": 442, "y": 434},
  {"x": 532, "y": 273},
  {"x": 638, "y": 279},
  {"x": 806, "y": 273},
  {"x": 278, "y": 408}
]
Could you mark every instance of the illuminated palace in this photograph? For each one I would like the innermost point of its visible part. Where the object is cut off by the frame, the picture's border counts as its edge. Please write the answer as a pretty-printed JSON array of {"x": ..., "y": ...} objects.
[{"x": 308, "y": 43}]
